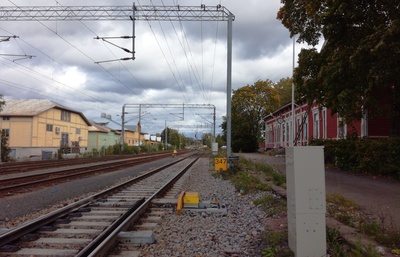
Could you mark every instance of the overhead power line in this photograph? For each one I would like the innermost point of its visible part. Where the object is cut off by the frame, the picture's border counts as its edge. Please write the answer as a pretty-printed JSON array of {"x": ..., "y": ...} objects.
[{"x": 167, "y": 13}]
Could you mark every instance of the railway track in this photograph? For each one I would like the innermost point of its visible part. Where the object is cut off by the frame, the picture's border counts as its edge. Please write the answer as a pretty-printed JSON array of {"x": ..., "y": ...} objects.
[
  {"x": 12, "y": 184},
  {"x": 16, "y": 167},
  {"x": 90, "y": 227}
]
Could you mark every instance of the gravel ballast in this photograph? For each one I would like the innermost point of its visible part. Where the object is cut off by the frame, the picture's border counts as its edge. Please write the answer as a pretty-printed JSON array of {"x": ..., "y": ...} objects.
[{"x": 237, "y": 232}]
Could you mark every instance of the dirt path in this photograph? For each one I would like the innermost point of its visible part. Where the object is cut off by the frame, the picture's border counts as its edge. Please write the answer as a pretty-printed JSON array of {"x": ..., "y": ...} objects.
[{"x": 378, "y": 196}]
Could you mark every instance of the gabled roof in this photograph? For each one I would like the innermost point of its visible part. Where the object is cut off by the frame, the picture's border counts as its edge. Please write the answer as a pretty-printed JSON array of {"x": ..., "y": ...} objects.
[
  {"x": 101, "y": 127},
  {"x": 33, "y": 107},
  {"x": 98, "y": 127}
]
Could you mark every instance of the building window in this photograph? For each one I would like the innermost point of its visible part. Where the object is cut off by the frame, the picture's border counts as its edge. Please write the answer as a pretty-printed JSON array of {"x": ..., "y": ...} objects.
[
  {"x": 5, "y": 133},
  {"x": 316, "y": 125},
  {"x": 324, "y": 127},
  {"x": 271, "y": 135},
  {"x": 49, "y": 127},
  {"x": 364, "y": 125},
  {"x": 283, "y": 133},
  {"x": 78, "y": 131},
  {"x": 287, "y": 132},
  {"x": 65, "y": 115},
  {"x": 298, "y": 124},
  {"x": 342, "y": 129},
  {"x": 6, "y": 118},
  {"x": 305, "y": 130}
]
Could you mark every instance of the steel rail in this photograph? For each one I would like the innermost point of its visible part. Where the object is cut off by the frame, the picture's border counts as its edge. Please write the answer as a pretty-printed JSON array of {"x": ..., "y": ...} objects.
[
  {"x": 101, "y": 246},
  {"x": 12, "y": 167},
  {"x": 77, "y": 173},
  {"x": 41, "y": 221}
]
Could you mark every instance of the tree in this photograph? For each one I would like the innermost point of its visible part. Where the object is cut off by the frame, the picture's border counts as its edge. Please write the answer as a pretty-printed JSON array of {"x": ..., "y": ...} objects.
[
  {"x": 250, "y": 104},
  {"x": 284, "y": 87},
  {"x": 173, "y": 137},
  {"x": 220, "y": 140},
  {"x": 5, "y": 149},
  {"x": 2, "y": 102},
  {"x": 206, "y": 139},
  {"x": 357, "y": 68}
]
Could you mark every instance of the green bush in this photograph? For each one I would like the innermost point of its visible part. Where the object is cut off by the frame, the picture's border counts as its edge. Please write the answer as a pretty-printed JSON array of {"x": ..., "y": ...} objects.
[{"x": 371, "y": 156}]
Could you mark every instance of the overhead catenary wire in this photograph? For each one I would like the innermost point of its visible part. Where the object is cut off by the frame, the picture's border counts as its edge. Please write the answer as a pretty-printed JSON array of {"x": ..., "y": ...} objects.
[
  {"x": 84, "y": 54},
  {"x": 181, "y": 88},
  {"x": 189, "y": 58}
]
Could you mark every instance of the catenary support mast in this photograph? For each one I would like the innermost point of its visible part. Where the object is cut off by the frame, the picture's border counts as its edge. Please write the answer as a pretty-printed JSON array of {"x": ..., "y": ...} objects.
[{"x": 133, "y": 13}]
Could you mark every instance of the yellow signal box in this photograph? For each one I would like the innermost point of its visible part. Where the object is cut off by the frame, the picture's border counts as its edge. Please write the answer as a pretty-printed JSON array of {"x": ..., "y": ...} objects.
[{"x": 191, "y": 199}]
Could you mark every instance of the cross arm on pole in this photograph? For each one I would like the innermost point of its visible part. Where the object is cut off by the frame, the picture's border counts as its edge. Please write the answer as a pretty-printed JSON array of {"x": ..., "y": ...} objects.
[{"x": 142, "y": 12}]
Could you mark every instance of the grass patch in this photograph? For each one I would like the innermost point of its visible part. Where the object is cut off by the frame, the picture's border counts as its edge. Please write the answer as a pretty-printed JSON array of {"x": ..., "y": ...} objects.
[
  {"x": 244, "y": 179},
  {"x": 271, "y": 204},
  {"x": 337, "y": 248},
  {"x": 277, "y": 244},
  {"x": 350, "y": 213}
]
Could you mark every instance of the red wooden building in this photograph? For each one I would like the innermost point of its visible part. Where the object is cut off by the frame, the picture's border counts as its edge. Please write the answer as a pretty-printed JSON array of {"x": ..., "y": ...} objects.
[{"x": 316, "y": 122}]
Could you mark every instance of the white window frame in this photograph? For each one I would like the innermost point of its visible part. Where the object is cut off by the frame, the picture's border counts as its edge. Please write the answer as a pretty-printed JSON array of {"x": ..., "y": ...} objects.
[
  {"x": 298, "y": 122},
  {"x": 342, "y": 130},
  {"x": 305, "y": 131},
  {"x": 364, "y": 125},
  {"x": 316, "y": 124},
  {"x": 324, "y": 123}
]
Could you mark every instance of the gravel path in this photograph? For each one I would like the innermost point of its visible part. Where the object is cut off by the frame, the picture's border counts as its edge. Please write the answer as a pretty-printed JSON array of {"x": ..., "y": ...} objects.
[
  {"x": 378, "y": 196},
  {"x": 238, "y": 232}
]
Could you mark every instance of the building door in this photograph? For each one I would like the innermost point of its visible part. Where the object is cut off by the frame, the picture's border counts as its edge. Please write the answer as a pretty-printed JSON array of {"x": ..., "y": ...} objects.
[{"x": 64, "y": 139}]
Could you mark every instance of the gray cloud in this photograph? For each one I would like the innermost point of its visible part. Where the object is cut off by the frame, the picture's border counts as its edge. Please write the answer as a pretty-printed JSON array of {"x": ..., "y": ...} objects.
[{"x": 175, "y": 62}]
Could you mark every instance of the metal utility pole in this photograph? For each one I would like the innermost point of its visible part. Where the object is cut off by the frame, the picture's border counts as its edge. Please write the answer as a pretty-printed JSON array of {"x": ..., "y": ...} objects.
[
  {"x": 123, "y": 128},
  {"x": 166, "y": 136},
  {"x": 293, "y": 129},
  {"x": 214, "y": 127},
  {"x": 229, "y": 90},
  {"x": 1, "y": 143},
  {"x": 139, "y": 127},
  {"x": 133, "y": 13}
]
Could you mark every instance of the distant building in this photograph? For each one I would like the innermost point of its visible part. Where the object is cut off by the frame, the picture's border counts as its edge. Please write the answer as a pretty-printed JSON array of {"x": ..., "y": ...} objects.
[
  {"x": 317, "y": 122},
  {"x": 101, "y": 136},
  {"x": 39, "y": 127},
  {"x": 132, "y": 137}
]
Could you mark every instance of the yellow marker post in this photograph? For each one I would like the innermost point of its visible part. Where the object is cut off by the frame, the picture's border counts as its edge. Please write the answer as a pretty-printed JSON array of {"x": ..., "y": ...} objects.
[{"x": 220, "y": 164}]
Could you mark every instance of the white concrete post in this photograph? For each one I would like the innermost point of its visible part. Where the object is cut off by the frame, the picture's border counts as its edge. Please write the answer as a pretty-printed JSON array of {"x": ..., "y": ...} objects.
[{"x": 306, "y": 200}]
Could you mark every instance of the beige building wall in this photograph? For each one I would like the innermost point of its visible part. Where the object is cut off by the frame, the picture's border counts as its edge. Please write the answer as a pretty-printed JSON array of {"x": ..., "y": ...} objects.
[
  {"x": 31, "y": 131},
  {"x": 22, "y": 127},
  {"x": 53, "y": 138},
  {"x": 131, "y": 138}
]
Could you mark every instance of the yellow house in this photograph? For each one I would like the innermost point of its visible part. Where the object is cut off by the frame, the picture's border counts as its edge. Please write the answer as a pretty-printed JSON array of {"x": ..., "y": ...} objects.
[
  {"x": 131, "y": 136},
  {"x": 39, "y": 127}
]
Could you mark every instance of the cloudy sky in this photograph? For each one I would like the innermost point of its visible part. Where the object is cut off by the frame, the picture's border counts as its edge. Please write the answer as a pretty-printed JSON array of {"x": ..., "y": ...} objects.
[{"x": 175, "y": 63}]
